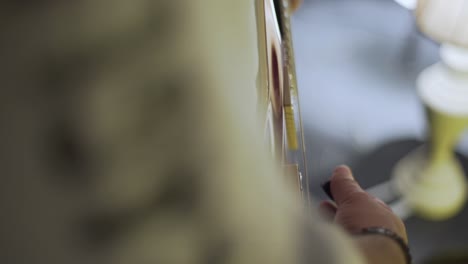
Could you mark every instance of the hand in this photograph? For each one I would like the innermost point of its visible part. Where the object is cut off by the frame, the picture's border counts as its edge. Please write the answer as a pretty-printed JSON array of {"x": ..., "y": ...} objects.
[{"x": 355, "y": 209}]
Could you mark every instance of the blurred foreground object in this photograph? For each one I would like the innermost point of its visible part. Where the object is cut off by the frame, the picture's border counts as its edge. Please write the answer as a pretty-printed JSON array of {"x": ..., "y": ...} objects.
[
  {"x": 431, "y": 179},
  {"x": 130, "y": 134}
]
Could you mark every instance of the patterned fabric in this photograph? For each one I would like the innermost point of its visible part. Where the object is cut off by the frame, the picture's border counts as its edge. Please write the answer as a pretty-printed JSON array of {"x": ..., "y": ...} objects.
[{"x": 127, "y": 137}]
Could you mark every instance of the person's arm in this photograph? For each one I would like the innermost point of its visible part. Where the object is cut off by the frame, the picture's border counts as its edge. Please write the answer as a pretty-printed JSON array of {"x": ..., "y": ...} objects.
[
  {"x": 380, "y": 249},
  {"x": 355, "y": 210}
]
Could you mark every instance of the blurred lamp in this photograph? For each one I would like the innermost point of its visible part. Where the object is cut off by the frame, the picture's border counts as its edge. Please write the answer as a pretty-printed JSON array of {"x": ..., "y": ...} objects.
[{"x": 431, "y": 179}]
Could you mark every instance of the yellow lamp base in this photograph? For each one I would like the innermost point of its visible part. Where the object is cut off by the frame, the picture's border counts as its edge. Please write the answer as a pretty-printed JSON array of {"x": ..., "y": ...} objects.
[{"x": 434, "y": 191}]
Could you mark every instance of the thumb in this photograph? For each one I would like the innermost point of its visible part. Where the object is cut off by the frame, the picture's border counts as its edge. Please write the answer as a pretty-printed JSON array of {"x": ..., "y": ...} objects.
[{"x": 343, "y": 185}]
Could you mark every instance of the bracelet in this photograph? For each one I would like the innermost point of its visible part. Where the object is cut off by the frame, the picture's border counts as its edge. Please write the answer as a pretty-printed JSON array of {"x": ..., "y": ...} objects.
[{"x": 392, "y": 235}]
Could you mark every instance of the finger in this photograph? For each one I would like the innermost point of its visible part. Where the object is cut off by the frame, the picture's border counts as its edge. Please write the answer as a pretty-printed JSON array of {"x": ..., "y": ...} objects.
[
  {"x": 328, "y": 209},
  {"x": 343, "y": 185}
]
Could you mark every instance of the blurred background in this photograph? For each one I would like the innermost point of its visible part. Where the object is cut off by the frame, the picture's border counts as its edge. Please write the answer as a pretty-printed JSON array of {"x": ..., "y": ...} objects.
[{"x": 357, "y": 64}]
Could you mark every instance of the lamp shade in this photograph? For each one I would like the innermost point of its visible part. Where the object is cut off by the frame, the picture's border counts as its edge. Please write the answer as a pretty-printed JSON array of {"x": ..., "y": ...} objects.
[{"x": 444, "y": 21}]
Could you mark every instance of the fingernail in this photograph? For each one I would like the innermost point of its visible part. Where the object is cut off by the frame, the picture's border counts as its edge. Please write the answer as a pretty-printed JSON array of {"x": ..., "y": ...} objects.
[{"x": 343, "y": 170}]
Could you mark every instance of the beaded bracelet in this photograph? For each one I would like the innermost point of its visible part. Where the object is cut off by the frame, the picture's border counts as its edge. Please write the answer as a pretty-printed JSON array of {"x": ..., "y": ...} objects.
[{"x": 392, "y": 235}]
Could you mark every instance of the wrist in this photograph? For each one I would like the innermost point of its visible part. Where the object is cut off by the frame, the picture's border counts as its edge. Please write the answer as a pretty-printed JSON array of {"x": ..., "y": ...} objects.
[{"x": 380, "y": 249}]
